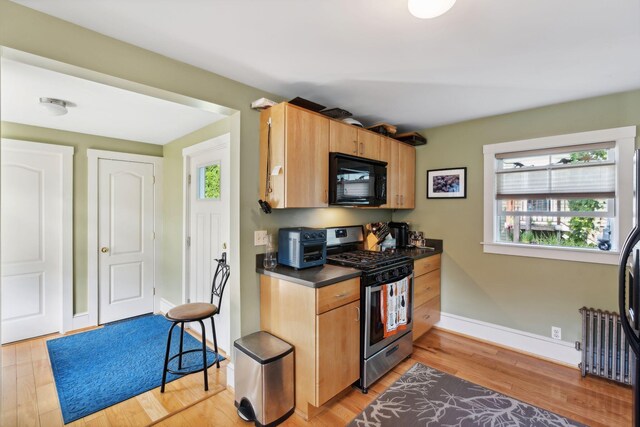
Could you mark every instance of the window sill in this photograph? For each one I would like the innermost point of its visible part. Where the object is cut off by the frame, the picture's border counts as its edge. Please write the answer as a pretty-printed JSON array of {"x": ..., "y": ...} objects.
[{"x": 553, "y": 252}]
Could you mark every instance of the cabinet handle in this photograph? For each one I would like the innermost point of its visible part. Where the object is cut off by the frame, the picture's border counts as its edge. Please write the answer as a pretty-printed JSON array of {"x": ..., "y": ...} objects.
[
  {"x": 357, "y": 314},
  {"x": 397, "y": 200},
  {"x": 361, "y": 149},
  {"x": 427, "y": 317},
  {"x": 355, "y": 150},
  {"x": 342, "y": 295}
]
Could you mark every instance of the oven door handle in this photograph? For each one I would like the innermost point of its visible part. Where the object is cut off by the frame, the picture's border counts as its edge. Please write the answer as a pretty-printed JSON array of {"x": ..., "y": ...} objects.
[{"x": 379, "y": 287}]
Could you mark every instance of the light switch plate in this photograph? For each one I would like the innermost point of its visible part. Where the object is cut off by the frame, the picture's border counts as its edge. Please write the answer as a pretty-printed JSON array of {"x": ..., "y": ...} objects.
[{"x": 260, "y": 237}]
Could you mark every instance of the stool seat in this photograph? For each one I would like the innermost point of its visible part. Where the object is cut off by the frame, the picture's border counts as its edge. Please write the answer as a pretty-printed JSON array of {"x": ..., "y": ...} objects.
[{"x": 192, "y": 311}]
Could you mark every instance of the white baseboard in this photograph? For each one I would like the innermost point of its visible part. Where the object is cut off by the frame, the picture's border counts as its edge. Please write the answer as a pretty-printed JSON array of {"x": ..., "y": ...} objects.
[
  {"x": 80, "y": 321},
  {"x": 165, "y": 306},
  {"x": 555, "y": 350},
  {"x": 230, "y": 376}
]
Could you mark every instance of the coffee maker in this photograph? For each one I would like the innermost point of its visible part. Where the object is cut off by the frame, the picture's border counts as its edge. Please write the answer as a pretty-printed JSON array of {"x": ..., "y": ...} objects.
[{"x": 400, "y": 232}]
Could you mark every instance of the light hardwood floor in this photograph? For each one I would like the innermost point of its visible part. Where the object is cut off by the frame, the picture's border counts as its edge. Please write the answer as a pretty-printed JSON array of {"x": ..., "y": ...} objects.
[
  {"x": 29, "y": 396},
  {"x": 592, "y": 401}
]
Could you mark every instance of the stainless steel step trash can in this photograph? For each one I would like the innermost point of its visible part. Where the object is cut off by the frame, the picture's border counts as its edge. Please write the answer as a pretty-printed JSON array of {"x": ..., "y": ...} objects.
[{"x": 263, "y": 379}]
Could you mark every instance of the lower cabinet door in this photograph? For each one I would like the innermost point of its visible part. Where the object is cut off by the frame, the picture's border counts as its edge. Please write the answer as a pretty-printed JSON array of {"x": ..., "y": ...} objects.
[
  {"x": 425, "y": 316},
  {"x": 426, "y": 287},
  {"x": 337, "y": 350}
]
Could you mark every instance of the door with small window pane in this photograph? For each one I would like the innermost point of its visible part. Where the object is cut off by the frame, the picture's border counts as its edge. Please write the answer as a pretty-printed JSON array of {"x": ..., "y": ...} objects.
[{"x": 208, "y": 209}]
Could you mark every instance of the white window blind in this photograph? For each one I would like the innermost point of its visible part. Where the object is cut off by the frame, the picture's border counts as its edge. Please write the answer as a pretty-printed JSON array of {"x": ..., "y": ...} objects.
[{"x": 557, "y": 173}]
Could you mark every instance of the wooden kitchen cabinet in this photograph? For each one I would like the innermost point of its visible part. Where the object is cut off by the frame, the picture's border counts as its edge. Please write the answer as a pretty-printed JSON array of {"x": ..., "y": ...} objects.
[
  {"x": 299, "y": 156},
  {"x": 401, "y": 175},
  {"x": 323, "y": 326},
  {"x": 426, "y": 294},
  {"x": 337, "y": 335},
  {"x": 349, "y": 139},
  {"x": 427, "y": 287},
  {"x": 407, "y": 176},
  {"x": 369, "y": 144},
  {"x": 425, "y": 316},
  {"x": 343, "y": 138}
]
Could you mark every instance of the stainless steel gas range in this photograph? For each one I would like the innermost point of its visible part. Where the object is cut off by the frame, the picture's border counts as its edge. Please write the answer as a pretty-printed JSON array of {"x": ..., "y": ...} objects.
[{"x": 380, "y": 349}]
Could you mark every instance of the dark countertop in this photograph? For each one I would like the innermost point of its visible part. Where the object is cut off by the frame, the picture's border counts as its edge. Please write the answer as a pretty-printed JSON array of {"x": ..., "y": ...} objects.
[
  {"x": 317, "y": 277},
  {"x": 417, "y": 253},
  {"x": 314, "y": 277}
]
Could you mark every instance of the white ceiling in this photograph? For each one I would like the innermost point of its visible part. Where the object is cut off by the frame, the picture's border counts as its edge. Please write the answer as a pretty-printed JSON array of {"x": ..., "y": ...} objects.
[
  {"x": 95, "y": 109},
  {"x": 372, "y": 58}
]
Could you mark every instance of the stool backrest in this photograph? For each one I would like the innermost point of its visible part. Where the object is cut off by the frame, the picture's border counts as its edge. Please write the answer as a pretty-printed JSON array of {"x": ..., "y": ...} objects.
[{"x": 220, "y": 279}]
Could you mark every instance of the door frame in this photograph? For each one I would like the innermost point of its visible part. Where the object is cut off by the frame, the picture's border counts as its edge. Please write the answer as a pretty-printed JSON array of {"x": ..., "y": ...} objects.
[
  {"x": 66, "y": 156},
  {"x": 93, "y": 156},
  {"x": 217, "y": 143}
]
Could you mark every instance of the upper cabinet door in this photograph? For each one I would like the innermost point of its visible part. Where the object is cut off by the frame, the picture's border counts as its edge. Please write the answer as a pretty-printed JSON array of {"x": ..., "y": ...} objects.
[
  {"x": 394, "y": 178},
  {"x": 407, "y": 170},
  {"x": 343, "y": 138},
  {"x": 307, "y": 159},
  {"x": 368, "y": 144},
  {"x": 349, "y": 139}
]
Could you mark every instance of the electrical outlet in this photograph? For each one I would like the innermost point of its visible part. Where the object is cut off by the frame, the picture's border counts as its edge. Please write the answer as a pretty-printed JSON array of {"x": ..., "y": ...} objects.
[
  {"x": 260, "y": 237},
  {"x": 556, "y": 333}
]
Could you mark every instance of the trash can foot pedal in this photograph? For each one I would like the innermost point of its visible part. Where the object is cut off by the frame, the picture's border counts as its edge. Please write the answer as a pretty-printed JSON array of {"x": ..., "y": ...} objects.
[{"x": 245, "y": 411}]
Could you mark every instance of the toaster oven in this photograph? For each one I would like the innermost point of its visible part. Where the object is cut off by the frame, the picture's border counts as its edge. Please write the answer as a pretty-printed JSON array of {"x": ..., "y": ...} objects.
[{"x": 302, "y": 247}]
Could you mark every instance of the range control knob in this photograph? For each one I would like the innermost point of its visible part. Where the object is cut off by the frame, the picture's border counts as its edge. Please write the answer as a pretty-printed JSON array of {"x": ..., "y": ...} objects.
[
  {"x": 405, "y": 269},
  {"x": 307, "y": 236},
  {"x": 386, "y": 275},
  {"x": 379, "y": 278}
]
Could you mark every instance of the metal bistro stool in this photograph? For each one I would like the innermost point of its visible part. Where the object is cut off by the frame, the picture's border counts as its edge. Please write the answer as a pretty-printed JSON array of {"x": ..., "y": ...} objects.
[{"x": 197, "y": 312}]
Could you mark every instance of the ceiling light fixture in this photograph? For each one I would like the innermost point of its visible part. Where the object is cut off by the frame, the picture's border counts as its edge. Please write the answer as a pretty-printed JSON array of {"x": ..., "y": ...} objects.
[
  {"x": 55, "y": 107},
  {"x": 425, "y": 9}
]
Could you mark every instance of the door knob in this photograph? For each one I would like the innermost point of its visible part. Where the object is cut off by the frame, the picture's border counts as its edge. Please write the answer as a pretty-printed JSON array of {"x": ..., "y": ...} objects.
[{"x": 104, "y": 250}]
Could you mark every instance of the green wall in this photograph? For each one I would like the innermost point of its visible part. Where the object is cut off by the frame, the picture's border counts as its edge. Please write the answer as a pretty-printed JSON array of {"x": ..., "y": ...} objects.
[
  {"x": 529, "y": 294},
  {"x": 81, "y": 142}
]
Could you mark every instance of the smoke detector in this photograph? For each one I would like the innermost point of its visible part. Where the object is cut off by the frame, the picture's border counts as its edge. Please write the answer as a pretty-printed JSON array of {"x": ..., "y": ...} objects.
[{"x": 54, "y": 107}]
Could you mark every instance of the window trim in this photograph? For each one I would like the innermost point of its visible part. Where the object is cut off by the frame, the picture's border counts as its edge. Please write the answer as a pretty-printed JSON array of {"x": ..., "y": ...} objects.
[{"x": 624, "y": 138}]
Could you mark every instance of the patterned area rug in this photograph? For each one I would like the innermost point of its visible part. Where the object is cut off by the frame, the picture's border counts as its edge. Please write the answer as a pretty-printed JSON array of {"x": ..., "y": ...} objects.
[{"x": 424, "y": 396}]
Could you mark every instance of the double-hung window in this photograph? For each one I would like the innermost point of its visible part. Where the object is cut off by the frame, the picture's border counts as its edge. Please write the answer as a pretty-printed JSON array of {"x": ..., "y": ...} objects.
[{"x": 562, "y": 197}]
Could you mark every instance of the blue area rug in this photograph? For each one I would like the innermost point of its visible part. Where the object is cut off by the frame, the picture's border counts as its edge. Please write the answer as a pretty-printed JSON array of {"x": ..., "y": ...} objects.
[{"x": 96, "y": 369}]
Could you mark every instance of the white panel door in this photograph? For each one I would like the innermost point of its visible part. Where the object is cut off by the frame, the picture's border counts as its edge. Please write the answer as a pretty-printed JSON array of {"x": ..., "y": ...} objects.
[
  {"x": 125, "y": 239},
  {"x": 209, "y": 230},
  {"x": 32, "y": 218}
]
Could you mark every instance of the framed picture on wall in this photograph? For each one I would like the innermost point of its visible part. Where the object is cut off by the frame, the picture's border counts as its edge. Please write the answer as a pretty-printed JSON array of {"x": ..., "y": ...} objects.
[{"x": 447, "y": 183}]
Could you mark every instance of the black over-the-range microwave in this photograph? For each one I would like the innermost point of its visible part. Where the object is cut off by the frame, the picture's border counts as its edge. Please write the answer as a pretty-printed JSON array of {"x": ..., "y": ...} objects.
[{"x": 356, "y": 181}]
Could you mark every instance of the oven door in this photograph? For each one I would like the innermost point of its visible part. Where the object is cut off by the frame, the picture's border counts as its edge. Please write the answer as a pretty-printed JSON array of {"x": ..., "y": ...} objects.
[{"x": 374, "y": 339}]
